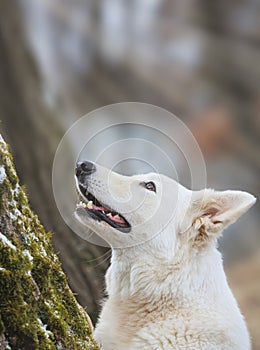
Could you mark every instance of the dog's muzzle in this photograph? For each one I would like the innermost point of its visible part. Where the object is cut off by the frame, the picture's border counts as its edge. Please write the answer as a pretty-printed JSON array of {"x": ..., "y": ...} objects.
[{"x": 90, "y": 205}]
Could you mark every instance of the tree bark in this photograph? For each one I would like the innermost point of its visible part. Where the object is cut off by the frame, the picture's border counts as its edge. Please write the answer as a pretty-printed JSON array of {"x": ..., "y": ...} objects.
[{"x": 37, "y": 309}]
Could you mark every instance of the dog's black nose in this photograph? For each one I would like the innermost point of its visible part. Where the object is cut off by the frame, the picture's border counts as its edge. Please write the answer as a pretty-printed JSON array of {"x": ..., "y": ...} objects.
[{"x": 85, "y": 168}]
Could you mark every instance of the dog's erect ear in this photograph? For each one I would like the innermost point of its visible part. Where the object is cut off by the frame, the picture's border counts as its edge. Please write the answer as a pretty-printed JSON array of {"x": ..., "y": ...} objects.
[{"x": 216, "y": 210}]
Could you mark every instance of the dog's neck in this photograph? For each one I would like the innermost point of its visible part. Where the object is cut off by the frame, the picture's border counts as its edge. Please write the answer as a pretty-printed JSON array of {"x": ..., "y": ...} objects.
[{"x": 134, "y": 272}]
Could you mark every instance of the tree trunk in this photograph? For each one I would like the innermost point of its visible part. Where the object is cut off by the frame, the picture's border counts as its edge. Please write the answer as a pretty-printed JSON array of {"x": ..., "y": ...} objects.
[
  {"x": 33, "y": 132},
  {"x": 38, "y": 309}
]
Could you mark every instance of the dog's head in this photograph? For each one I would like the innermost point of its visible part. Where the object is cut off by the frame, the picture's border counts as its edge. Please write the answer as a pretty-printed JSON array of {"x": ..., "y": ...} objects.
[{"x": 130, "y": 210}]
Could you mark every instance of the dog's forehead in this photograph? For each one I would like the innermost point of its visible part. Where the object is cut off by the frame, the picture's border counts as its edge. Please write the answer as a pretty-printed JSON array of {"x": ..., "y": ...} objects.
[{"x": 147, "y": 177}]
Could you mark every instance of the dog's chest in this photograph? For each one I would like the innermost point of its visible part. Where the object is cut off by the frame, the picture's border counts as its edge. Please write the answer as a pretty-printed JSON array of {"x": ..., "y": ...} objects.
[{"x": 130, "y": 325}]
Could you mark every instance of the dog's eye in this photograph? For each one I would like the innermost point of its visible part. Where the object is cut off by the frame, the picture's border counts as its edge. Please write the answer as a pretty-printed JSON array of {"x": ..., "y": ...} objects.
[{"x": 149, "y": 186}]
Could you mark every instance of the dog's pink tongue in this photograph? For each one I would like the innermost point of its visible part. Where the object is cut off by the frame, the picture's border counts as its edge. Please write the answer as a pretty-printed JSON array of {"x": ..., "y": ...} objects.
[
  {"x": 118, "y": 219},
  {"x": 97, "y": 208}
]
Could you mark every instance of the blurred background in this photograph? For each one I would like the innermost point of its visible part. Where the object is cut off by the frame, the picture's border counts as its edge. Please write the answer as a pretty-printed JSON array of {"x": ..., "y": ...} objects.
[{"x": 60, "y": 59}]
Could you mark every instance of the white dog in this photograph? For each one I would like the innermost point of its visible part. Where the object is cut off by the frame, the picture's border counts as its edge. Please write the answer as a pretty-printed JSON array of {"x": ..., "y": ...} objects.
[{"x": 166, "y": 285}]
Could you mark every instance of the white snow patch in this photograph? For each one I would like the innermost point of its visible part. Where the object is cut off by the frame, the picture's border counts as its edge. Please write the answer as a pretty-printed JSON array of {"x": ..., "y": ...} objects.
[
  {"x": 16, "y": 189},
  {"x": 12, "y": 216},
  {"x": 43, "y": 251},
  {"x": 7, "y": 345},
  {"x": 56, "y": 313},
  {"x": 44, "y": 328},
  {"x": 15, "y": 214},
  {"x": 2, "y": 174},
  {"x": 20, "y": 222},
  {"x": 6, "y": 241},
  {"x": 26, "y": 238},
  {"x": 27, "y": 253},
  {"x": 13, "y": 202}
]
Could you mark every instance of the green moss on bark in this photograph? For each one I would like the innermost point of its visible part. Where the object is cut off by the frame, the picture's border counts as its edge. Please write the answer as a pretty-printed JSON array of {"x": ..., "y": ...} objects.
[{"x": 38, "y": 310}]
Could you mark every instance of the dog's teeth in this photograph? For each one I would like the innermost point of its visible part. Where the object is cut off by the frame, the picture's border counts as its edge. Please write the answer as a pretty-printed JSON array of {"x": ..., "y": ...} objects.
[
  {"x": 81, "y": 204},
  {"x": 110, "y": 215},
  {"x": 90, "y": 205},
  {"x": 117, "y": 216}
]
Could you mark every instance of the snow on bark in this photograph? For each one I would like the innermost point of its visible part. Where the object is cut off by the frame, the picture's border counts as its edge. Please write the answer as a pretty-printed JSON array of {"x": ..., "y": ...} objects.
[{"x": 38, "y": 309}]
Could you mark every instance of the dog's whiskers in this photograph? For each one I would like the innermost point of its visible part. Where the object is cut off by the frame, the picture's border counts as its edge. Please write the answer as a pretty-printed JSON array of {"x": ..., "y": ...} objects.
[{"x": 107, "y": 256}]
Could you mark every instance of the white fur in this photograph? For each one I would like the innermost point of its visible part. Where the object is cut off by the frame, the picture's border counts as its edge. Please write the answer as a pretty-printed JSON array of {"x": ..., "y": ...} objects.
[{"x": 166, "y": 285}]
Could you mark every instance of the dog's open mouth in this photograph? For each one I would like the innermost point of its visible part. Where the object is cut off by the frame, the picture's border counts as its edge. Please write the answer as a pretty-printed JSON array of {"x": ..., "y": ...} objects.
[{"x": 101, "y": 212}]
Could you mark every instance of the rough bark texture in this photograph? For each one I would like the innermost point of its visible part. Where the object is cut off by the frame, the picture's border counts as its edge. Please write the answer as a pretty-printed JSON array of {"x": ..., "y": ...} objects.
[{"x": 38, "y": 309}]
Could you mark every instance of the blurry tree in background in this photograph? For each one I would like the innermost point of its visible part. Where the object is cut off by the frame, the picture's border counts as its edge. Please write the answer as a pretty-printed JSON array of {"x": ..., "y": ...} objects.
[{"x": 198, "y": 59}]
